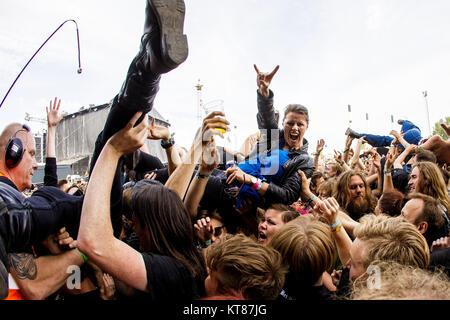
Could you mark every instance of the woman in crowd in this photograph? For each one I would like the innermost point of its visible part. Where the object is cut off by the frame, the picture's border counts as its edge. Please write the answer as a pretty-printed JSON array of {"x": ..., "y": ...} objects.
[{"x": 168, "y": 265}]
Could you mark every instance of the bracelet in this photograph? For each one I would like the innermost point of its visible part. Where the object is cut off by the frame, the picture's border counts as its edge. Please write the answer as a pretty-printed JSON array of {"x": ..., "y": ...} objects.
[
  {"x": 346, "y": 150},
  {"x": 82, "y": 254},
  {"x": 334, "y": 225},
  {"x": 388, "y": 174},
  {"x": 202, "y": 176},
  {"x": 337, "y": 228},
  {"x": 388, "y": 170},
  {"x": 207, "y": 243},
  {"x": 310, "y": 200}
]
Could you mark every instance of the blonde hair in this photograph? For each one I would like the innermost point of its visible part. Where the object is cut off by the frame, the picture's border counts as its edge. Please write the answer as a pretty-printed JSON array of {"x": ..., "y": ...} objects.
[
  {"x": 307, "y": 247},
  {"x": 244, "y": 265},
  {"x": 392, "y": 239},
  {"x": 400, "y": 282},
  {"x": 431, "y": 182}
]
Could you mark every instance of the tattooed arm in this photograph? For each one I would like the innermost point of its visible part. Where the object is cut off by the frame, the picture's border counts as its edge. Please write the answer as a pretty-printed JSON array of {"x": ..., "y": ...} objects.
[{"x": 40, "y": 277}]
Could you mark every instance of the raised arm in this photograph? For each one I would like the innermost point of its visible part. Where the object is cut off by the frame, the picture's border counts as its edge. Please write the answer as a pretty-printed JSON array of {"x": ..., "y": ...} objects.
[
  {"x": 95, "y": 237},
  {"x": 263, "y": 80},
  {"x": 160, "y": 132},
  {"x": 329, "y": 209},
  {"x": 410, "y": 149},
  {"x": 179, "y": 180},
  {"x": 53, "y": 118},
  {"x": 399, "y": 138},
  {"x": 198, "y": 185},
  {"x": 388, "y": 185},
  {"x": 319, "y": 149},
  {"x": 355, "y": 161},
  {"x": 348, "y": 145},
  {"x": 340, "y": 160}
]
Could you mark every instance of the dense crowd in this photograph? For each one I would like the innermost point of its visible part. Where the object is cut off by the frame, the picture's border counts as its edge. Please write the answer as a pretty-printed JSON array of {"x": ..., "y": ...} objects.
[{"x": 270, "y": 221}]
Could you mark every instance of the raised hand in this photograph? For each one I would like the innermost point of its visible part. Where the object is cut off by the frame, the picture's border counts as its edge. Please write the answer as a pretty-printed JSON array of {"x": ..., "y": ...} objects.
[
  {"x": 376, "y": 160},
  {"x": 204, "y": 229},
  {"x": 156, "y": 132},
  {"x": 348, "y": 142},
  {"x": 390, "y": 158},
  {"x": 263, "y": 80},
  {"x": 306, "y": 192},
  {"x": 107, "y": 287},
  {"x": 130, "y": 138},
  {"x": 235, "y": 173},
  {"x": 328, "y": 209},
  {"x": 210, "y": 157},
  {"x": 320, "y": 145},
  {"x": 338, "y": 156},
  {"x": 52, "y": 113},
  {"x": 446, "y": 128}
]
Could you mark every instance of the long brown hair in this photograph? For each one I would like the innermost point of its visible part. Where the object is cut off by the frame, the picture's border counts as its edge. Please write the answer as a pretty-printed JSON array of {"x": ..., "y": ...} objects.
[
  {"x": 166, "y": 225},
  {"x": 342, "y": 194},
  {"x": 431, "y": 182}
]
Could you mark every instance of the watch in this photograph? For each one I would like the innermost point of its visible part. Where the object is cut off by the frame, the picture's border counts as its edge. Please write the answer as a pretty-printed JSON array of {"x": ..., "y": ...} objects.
[{"x": 168, "y": 143}]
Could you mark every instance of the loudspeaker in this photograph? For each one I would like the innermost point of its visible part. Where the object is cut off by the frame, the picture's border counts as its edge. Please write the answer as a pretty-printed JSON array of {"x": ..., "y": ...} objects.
[{"x": 14, "y": 149}]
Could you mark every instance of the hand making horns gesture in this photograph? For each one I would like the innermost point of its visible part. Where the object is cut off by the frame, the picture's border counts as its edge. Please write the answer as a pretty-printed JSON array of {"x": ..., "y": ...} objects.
[{"x": 263, "y": 80}]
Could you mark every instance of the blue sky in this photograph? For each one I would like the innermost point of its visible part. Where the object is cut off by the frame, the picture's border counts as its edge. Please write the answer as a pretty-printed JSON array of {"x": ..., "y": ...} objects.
[{"x": 376, "y": 55}]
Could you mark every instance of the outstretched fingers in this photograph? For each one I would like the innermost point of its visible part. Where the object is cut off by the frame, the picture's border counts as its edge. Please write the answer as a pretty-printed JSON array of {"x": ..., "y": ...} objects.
[{"x": 274, "y": 71}]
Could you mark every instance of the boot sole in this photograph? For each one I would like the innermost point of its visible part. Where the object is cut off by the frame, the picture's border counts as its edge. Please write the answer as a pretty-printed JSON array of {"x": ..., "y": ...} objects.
[{"x": 170, "y": 16}]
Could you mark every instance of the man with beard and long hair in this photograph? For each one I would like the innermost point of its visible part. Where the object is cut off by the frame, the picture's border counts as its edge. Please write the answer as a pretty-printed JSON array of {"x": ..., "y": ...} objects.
[{"x": 354, "y": 195}]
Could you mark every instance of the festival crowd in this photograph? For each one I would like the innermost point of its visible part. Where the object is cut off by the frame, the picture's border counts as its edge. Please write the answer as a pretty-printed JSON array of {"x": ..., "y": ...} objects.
[{"x": 274, "y": 220}]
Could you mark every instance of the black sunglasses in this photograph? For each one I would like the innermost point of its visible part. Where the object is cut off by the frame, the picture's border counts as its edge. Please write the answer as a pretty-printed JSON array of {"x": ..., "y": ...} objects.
[{"x": 218, "y": 231}]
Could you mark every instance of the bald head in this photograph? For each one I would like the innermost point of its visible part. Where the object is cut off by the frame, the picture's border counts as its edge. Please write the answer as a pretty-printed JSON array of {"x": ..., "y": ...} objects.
[{"x": 21, "y": 175}]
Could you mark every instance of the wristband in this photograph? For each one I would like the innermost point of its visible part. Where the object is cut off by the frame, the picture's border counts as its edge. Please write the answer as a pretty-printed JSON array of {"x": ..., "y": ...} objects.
[
  {"x": 334, "y": 225},
  {"x": 388, "y": 170},
  {"x": 388, "y": 174},
  {"x": 257, "y": 185},
  {"x": 336, "y": 229},
  {"x": 310, "y": 200},
  {"x": 82, "y": 254},
  {"x": 342, "y": 163},
  {"x": 207, "y": 243},
  {"x": 202, "y": 176}
]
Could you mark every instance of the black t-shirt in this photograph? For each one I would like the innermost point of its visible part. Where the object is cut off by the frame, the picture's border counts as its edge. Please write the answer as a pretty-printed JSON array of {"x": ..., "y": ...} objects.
[
  {"x": 317, "y": 293},
  {"x": 167, "y": 280},
  {"x": 441, "y": 258}
]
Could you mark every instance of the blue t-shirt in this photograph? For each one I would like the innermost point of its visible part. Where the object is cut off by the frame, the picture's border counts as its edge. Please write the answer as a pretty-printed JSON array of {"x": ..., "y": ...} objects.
[{"x": 267, "y": 168}]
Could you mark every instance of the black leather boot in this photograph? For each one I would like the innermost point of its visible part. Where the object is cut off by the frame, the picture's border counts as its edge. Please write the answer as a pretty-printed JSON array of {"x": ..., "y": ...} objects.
[
  {"x": 163, "y": 40},
  {"x": 352, "y": 133}
]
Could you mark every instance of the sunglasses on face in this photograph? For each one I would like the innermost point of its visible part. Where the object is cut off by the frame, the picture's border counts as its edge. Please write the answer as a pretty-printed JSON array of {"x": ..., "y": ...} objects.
[{"x": 218, "y": 231}]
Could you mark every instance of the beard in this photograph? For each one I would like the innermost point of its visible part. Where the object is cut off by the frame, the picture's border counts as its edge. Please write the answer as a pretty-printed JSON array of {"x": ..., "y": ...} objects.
[{"x": 358, "y": 207}]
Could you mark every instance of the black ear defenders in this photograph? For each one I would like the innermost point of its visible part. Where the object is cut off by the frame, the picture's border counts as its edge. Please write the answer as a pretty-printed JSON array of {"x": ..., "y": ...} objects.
[{"x": 14, "y": 149}]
